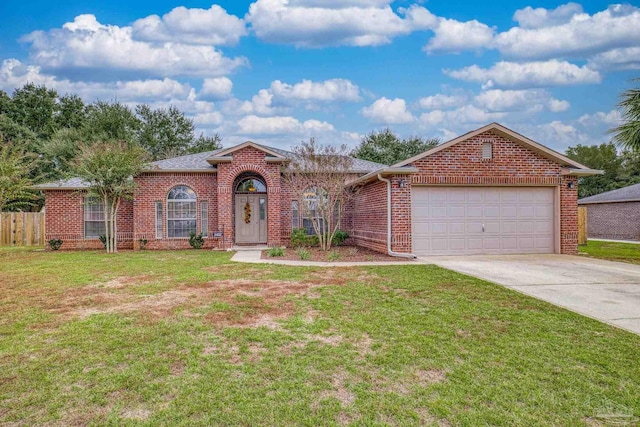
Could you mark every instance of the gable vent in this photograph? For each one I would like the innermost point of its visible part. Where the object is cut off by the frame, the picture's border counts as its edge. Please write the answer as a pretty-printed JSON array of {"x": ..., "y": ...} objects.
[{"x": 487, "y": 150}]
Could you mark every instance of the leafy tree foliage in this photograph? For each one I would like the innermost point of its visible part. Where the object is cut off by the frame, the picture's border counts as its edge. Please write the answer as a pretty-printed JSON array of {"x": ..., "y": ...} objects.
[
  {"x": 627, "y": 135},
  {"x": 109, "y": 168},
  {"x": 385, "y": 147},
  {"x": 620, "y": 169},
  {"x": 16, "y": 168}
]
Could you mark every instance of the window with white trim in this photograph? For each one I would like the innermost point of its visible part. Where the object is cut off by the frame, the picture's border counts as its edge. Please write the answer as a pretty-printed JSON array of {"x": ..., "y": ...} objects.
[
  {"x": 312, "y": 205},
  {"x": 181, "y": 212},
  {"x": 204, "y": 218},
  {"x": 93, "y": 217},
  {"x": 159, "y": 220}
]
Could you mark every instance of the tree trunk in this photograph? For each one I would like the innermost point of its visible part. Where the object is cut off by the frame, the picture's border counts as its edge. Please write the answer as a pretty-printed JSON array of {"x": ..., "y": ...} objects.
[{"x": 106, "y": 208}]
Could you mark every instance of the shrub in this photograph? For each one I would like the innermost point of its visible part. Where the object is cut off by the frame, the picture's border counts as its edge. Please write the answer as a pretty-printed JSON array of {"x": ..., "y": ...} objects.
[
  {"x": 275, "y": 251},
  {"x": 143, "y": 244},
  {"x": 340, "y": 237},
  {"x": 103, "y": 239},
  {"x": 55, "y": 244},
  {"x": 304, "y": 254},
  {"x": 196, "y": 241},
  {"x": 333, "y": 256},
  {"x": 353, "y": 251},
  {"x": 300, "y": 238}
]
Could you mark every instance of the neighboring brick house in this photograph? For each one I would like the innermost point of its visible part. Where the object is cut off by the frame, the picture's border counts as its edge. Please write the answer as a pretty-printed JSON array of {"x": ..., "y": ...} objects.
[
  {"x": 488, "y": 191},
  {"x": 614, "y": 214}
]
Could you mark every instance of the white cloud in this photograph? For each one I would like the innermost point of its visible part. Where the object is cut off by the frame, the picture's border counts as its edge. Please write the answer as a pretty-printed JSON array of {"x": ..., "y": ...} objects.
[
  {"x": 14, "y": 74},
  {"x": 465, "y": 115},
  {"x": 541, "y": 17},
  {"x": 583, "y": 35},
  {"x": 519, "y": 100},
  {"x": 208, "y": 119},
  {"x": 388, "y": 111},
  {"x": 455, "y": 36},
  {"x": 217, "y": 88},
  {"x": 616, "y": 59},
  {"x": 318, "y": 23},
  {"x": 441, "y": 101},
  {"x": 213, "y": 26},
  {"x": 529, "y": 74},
  {"x": 87, "y": 44},
  {"x": 328, "y": 90},
  {"x": 611, "y": 118},
  {"x": 259, "y": 104},
  {"x": 278, "y": 125}
]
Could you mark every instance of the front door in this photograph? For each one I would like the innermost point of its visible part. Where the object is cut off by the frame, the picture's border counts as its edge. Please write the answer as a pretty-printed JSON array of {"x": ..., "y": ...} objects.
[{"x": 251, "y": 218}]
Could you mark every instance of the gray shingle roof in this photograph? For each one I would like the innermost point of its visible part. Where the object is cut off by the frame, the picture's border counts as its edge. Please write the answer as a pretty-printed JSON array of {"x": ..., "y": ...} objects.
[
  {"x": 195, "y": 162},
  {"x": 63, "y": 184},
  {"x": 630, "y": 193}
]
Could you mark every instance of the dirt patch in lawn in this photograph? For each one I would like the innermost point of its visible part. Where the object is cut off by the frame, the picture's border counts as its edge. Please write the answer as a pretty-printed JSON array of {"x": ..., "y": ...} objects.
[
  {"x": 336, "y": 254},
  {"x": 238, "y": 302}
]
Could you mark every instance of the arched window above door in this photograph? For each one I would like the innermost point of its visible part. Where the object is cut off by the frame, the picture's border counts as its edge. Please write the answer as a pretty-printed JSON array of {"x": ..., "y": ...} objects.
[{"x": 251, "y": 185}]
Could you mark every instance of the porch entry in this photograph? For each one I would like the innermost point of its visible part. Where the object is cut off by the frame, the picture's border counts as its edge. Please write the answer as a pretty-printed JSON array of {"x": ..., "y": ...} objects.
[{"x": 251, "y": 211}]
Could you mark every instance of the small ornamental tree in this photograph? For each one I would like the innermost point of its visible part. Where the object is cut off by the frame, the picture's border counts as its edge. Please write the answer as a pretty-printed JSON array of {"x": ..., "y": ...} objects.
[
  {"x": 319, "y": 173},
  {"x": 109, "y": 168},
  {"x": 16, "y": 168}
]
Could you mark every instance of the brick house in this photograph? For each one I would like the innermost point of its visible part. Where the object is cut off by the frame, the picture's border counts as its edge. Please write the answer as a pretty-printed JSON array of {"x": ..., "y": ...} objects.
[
  {"x": 614, "y": 214},
  {"x": 488, "y": 191}
]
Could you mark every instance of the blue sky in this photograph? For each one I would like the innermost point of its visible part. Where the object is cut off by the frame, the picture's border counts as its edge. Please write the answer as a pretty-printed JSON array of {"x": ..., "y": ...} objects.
[{"x": 281, "y": 71}]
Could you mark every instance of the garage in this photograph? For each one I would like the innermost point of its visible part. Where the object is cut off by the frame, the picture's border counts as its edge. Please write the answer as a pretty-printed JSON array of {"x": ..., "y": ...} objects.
[{"x": 448, "y": 220}]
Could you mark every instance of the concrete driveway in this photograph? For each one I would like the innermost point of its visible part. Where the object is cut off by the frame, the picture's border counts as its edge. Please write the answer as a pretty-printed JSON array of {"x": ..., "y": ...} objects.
[{"x": 605, "y": 290}]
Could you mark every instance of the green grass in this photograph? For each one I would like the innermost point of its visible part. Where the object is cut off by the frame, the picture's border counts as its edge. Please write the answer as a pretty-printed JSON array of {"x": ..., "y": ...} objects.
[
  {"x": 624, "y": 252},
  {"x": 190, "y": 338}
]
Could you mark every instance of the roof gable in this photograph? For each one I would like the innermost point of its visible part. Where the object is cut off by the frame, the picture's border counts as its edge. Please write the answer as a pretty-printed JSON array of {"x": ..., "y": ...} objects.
[
  {"x": 507, "y": 133},
  {"x": 266, "y": 150}
]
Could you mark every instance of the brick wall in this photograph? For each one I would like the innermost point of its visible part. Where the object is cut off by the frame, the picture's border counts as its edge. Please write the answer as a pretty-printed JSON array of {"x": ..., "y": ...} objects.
[
  {"x": 613, "y": 220},
  {"x": 64, "y": 218},
  {"x": 152, "y": 187},
  {"x": 462, "y": 164}
]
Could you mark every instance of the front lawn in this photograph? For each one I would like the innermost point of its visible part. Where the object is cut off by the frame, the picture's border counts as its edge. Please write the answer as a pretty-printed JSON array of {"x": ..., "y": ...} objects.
[
  {"x": 613, "y": 251},
  {"x": 190, "y": 338}
]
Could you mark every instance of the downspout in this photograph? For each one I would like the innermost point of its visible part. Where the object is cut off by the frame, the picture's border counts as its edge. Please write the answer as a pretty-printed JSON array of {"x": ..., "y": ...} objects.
[{"x": 389, "y": 251}]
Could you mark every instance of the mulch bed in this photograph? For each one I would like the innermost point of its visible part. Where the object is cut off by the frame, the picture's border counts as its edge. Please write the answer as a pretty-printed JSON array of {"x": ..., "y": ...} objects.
[{"x": 347, "y": 254}]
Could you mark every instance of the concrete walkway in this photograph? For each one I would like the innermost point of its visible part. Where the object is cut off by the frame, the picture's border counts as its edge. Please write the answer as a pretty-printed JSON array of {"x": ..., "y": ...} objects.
[
  {"x": 254, "y": 257},
  {"x": 604, "y": 290}
]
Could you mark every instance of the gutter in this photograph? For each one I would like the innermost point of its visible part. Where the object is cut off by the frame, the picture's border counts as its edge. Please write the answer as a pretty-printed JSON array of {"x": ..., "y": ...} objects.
[{"x": 389, "y": 251}]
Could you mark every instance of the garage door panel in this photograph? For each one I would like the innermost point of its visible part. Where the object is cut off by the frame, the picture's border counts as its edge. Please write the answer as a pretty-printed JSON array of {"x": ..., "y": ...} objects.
[{"x": 449, "y": 220}]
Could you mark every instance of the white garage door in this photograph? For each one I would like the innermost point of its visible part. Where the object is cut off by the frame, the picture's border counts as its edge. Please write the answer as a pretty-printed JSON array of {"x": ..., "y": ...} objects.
[{"x": 482, "y": 220}]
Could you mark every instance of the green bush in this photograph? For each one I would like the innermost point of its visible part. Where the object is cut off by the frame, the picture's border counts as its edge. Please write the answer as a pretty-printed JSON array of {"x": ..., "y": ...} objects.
[
  {"x": 55, "y": 244},
  {"x": 340, "y": 237},
  {"x": 143, "y": 244},
  {"x": 275, "y": 251},
  {"x": 196, "y": 241},
  {"x": 333, "y": 256},
  {"x": 103, "y": 239},
  {"x": 300, "y": 238},
  {"x": 304, "y": 254}
]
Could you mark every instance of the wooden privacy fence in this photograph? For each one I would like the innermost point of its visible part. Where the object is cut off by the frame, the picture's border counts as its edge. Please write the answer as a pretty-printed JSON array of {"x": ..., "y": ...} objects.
[
  {"x": 22, "y": 229},
  {"x": 582, "y": 225}
]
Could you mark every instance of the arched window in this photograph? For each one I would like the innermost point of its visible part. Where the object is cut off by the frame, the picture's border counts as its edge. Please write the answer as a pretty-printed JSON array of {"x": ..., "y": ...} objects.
[
  {"x": 251, "y": 185},
  {"x": 181, "y": 211}
]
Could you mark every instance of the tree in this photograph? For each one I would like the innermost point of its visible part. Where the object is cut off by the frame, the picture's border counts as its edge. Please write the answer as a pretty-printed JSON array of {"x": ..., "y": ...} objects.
[
  {"x": 111, "y": 121},
  {"x": 34, "y": 107},
  {"x": 319, "y": 173},
  {"x": 205, "y": 143},
  {"x": 385, "y": 147},
  {"x": 628, "y": 133},
  {"x": 16, "y": 168},
  {"x": 109, "y": 168},
  {"x": 164, "y": 133},
  {"x": 603, "y": 157},
  {"x": 71, "y": 112}
]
